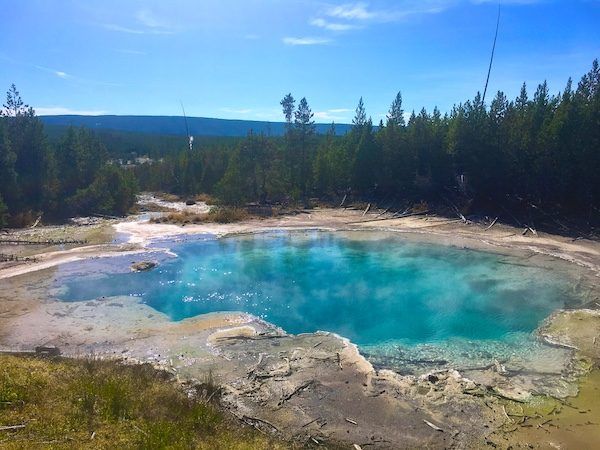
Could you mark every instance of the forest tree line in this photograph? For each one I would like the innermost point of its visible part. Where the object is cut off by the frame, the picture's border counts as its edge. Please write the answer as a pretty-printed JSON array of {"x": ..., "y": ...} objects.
[
  {"x": 540, "y": 151},
  {"x": 71, "y": 177},
  {"x": 537, "y": 152}
]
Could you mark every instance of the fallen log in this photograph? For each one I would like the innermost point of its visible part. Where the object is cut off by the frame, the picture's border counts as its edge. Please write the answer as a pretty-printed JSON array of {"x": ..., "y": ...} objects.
[
  {"x": 303, "y": 386},
  {"x": 35, "y": 224},
  {"x": 390, "y": 218},
  {"x": 435, "y": 427},
  {"x": 367, "y": 209},
  {"x": 256, "y": 419},
  {"x": 13, "y": 427},
  {"x": 492, "y": 224},
  {"x": 384, "y": 211}
]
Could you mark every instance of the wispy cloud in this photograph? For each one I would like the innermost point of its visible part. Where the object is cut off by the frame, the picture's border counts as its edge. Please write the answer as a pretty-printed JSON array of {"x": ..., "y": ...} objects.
[
  {"x": 305, "y": 41},
  {"x": 57, "y": 73},
  {"x": 62, "y": 111},
  {"x": 362, "y": 12},
  {"x": 145, "y": 22},
  {"x": 333, "y": 115},
  {"x": 148, "y": 19},
  {"x": 128, "y": 30},
  {"x": 352, "y": 11},
  {"x": 72, "y": 78},
  {"x": 333, "y": 26}
]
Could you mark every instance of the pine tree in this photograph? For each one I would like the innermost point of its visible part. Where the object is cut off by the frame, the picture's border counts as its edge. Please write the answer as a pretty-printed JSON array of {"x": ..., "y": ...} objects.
[
  {"x": 360, "y": 117},
  {"x": 396, "y": 114},
  {"x": 305, "y": 130}
]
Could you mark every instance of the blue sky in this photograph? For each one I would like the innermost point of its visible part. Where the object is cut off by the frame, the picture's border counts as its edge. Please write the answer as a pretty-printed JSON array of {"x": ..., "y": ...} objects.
[{"x": 238, "y": 58}]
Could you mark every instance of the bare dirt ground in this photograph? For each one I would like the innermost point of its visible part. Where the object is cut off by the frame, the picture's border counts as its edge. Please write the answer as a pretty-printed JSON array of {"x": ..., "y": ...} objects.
[{"x": 315, "y": 388}]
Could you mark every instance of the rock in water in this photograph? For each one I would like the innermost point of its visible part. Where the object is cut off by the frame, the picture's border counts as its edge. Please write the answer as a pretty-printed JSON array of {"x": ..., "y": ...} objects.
[{"x": 143, "y": 266}]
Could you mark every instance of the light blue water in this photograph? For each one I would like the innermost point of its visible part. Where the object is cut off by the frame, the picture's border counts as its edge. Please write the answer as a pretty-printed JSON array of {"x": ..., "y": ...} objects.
[{"x": 385, "y": 293}]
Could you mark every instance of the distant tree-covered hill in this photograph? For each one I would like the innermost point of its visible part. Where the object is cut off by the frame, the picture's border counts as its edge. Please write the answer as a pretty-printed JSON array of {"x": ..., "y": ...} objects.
[{"x": 175, "y": 125}]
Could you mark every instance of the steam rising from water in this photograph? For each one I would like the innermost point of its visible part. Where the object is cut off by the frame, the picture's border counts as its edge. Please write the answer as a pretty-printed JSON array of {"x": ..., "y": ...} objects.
[{"x": 398, "y": 300}]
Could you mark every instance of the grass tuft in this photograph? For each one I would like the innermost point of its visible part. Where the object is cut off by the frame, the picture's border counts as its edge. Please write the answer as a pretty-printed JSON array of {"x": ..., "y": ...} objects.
[
  {"x": 217, "y": 214},
  {"x": 91, "y": 403}
]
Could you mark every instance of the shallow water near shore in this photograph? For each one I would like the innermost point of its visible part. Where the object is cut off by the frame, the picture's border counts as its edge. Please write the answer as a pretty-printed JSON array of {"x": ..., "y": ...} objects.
[{"x": 406, "y": 304}]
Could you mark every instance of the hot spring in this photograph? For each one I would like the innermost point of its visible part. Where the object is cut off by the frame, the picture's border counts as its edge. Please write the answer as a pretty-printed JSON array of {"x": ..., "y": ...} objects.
[{"x": 406, "y": 304}]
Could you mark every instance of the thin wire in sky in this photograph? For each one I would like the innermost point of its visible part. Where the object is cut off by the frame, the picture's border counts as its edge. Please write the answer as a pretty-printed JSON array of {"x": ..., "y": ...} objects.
[{"x": 492, "y": 57}]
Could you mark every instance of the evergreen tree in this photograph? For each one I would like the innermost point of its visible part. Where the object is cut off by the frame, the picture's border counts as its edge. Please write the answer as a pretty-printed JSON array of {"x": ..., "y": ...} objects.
[
  {"x": 360, "y": 116},
  {"x": 396, "y": 114},
  {"x": 304, "y": 131}
]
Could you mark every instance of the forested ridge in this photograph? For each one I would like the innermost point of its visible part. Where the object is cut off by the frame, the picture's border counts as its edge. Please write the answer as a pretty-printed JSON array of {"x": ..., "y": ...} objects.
[{"x": 536, "y": 157}]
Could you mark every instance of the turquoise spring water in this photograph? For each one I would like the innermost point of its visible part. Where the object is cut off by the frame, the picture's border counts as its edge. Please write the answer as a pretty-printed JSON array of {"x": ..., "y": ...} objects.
[{"x": 399, "y": 300}]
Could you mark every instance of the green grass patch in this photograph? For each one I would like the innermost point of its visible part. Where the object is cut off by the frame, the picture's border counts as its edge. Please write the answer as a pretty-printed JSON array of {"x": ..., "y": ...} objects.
[{"x": 91, "y": 403}]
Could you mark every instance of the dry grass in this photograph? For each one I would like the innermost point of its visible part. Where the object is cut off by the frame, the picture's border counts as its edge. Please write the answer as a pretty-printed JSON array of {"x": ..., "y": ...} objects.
[
  {"x": 65, "y": 403},
  {"x": 206, "y": 198},
  {"x": 215, "y": 215}
]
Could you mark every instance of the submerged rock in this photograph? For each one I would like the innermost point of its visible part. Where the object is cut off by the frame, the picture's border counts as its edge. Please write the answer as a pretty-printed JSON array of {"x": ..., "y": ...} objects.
[{"x": 143, "y": 266}]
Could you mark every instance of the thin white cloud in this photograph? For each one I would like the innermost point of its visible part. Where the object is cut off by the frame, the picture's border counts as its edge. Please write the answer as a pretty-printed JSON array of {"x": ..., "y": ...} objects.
[
  {"x": 352, "y": 11},
  {"x": 362, "y": 12},
  {"x": 148, "y": 19},
  {"x": 62, "y": 111},
  {"x": 57, "y": 73},
  {"x": 146, "y": 22},
  {"x": 120, "y": 29},
  {"x": 129, "y": 30},
  {"x": 252, "y": 37},
  {"x": 333, "y": 115},
  {"x": 305, "y": 41},
  {"x": 333, "y": 26}
]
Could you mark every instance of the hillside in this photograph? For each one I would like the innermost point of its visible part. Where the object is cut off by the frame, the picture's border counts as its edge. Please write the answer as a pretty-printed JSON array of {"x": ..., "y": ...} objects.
[{"x": 175, "y": 125}]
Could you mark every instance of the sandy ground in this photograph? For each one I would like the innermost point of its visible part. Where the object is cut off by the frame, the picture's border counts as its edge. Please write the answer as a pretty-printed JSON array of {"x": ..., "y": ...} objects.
[{"x": 314, "y": 387}]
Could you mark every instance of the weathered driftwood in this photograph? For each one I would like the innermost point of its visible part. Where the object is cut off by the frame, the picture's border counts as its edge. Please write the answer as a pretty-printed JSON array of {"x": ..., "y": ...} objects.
[
  {"x": 492, "y": 224},
  {"x": 249, "y": 419},
  {"x": 367, "y": 209},
  {"x": 435, "y": 427},
  {"x": 310, "y": 423},
  {"x": 352, "y": 421},
  {"x": 402, "y": 216},
  {"x": 13, "y": 427},
  {"x": 36, "y": 223},
  {"x": 382, "y": 213},
  {"x": 300, "y": 388},
  {"x": 343, "y": 200}
]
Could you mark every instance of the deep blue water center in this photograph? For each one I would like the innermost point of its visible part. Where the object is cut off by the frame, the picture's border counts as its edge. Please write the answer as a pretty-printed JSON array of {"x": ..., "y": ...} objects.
[{"x": 373, "y": 289}]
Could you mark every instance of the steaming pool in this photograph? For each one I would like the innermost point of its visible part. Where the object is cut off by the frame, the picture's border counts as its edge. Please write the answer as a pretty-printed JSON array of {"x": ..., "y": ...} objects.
[{"x": 407, "y": 305}]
